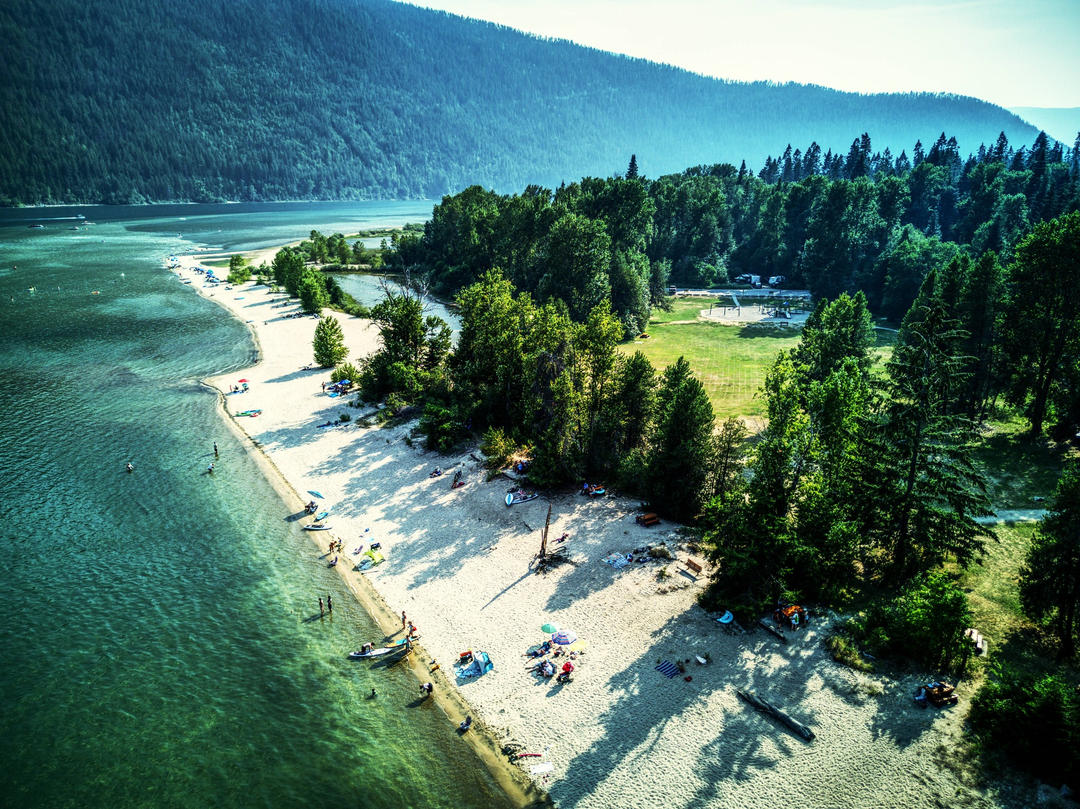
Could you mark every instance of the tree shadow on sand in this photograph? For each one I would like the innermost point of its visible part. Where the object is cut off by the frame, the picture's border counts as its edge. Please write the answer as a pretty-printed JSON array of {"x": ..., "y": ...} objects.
[{"x": 627, "y": 738}]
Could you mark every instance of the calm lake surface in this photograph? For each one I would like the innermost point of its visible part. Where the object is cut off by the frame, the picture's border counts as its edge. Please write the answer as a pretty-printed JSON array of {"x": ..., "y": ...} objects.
[{"x": 160, "y": 631}]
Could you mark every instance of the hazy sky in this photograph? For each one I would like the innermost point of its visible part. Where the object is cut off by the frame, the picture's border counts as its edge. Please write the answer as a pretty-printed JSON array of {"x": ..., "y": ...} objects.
[{"x": 1013, "y": 53}]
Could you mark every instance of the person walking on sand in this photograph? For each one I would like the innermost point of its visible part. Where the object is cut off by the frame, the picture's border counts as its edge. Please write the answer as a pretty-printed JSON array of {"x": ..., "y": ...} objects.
[
  {"x": 404, "y": 620},
  {"x": 321, "y": 611}
]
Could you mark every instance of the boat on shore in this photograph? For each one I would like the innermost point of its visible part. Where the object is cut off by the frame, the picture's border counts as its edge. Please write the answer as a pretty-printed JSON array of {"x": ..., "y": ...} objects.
[
  {"x": 358, "y": 655},
  {"x": 520, "y": 496},
  {"x": 316, "y": 527}
]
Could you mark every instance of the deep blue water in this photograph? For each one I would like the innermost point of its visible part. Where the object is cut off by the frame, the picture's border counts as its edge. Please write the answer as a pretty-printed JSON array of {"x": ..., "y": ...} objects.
[{"x": 160, "y": 638}]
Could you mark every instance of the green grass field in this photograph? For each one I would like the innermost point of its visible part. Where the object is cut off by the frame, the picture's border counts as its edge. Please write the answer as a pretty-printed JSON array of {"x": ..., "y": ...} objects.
[
  {"x": 730, "y": 360},
  {"x": 1019, "y": 469}
]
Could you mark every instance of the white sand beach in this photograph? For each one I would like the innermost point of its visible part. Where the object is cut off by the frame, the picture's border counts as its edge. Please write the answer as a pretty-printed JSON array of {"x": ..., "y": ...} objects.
[{"x": 459, "y": 563}]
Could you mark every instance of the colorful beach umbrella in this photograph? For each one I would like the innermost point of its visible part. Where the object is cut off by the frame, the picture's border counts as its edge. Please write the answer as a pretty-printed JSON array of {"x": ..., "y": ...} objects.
[
  {"x": 314, "y": 493},
  {"x": 564, "y": 637},
  {"x": 549, "y": 629}
]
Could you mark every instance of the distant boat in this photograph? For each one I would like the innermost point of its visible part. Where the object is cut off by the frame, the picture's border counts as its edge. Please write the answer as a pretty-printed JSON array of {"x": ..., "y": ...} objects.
[{"x": 36, "y": 226}]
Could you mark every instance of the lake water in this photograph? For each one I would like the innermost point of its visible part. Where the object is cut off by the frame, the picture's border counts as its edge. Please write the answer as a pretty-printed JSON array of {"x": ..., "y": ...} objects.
[{"x": 160, "y": 631}]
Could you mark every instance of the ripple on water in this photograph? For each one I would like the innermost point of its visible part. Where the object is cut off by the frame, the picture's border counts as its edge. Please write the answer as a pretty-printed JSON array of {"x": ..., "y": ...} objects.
[{"x": 153, "y": 624}]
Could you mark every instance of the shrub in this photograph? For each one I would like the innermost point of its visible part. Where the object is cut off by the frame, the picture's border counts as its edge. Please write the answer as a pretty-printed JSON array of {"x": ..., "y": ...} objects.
[
  {"x": 345, "y": 371},
  {"x": 843, "y": 651},
  {"x": 440, "y": 427},
  {"x": 344, "y": 417},
  {"x": 497, "y": 448},
  {"x": 1031, "y": 719},
  {"x": 924, "y": 622}
]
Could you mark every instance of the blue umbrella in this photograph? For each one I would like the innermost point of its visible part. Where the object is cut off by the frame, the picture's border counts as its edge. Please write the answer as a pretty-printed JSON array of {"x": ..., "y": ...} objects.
[{"x": 314, "y": 493}]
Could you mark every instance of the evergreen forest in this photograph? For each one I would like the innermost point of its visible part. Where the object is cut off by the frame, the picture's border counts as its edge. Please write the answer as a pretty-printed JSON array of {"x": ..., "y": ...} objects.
[
  {"x": 126, "y": 101},
  {"x": 857, "y": 220}
]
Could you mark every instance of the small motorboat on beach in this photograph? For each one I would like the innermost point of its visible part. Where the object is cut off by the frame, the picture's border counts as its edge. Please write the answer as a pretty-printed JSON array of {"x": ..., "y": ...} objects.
[
  {"x": 520, "y": 496},
  {"x": 316, "y": 527},
  {"x": 252, "y": 413},
  {"x": 358, "y": 655}
]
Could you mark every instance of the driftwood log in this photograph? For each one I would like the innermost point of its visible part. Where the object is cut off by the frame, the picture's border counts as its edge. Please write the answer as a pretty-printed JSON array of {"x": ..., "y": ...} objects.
[
  {"x": 772, "y": 630},
  {"x": 757, "y": 702}
]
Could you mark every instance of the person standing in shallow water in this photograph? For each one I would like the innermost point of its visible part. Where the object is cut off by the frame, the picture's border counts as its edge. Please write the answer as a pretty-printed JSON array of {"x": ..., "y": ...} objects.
[
  {"x": 330, "y": 604},
  {"x": 321, "y": 611},
  {"x": 215, "y": 449}
]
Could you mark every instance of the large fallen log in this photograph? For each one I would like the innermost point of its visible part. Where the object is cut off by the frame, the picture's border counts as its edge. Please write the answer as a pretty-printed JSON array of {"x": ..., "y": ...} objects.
[
  {"x": 757, "y": 702},
  {"x": 776, "y": 633}
]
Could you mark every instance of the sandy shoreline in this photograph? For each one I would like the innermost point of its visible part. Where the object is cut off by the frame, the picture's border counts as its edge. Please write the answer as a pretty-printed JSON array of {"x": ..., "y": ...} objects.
[{"x": 621, "y": 734}]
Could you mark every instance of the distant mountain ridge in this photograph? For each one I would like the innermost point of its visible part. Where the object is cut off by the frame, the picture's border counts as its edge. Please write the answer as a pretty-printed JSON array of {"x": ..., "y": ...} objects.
[
  {"x": 1062, "y": 123},
  {"x": 135, "y": 100}
]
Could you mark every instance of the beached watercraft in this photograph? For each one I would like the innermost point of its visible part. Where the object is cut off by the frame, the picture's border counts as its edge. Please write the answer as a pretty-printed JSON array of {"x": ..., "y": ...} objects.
[
  {"x": 373, "y": 653},
  {"x": 316, "y": 527},
  {"x": 322, "y": 515},
  {"x": 252, "y": 413},
  {"x": 520, "y": 496}
]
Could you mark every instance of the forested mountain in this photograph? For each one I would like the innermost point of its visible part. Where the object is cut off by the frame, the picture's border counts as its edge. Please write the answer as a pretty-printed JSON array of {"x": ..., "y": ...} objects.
[{"x": 132, "y": 100}]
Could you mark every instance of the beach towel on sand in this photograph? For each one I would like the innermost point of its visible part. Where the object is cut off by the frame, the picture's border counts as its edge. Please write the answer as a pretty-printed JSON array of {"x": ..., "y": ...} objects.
[
  {"x": 616, "y": 560},
  {"x": 668, "y": 669}
]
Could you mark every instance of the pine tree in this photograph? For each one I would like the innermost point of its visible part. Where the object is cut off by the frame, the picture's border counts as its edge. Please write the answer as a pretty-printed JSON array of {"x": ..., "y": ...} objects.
[
  {"x": 927, "y": 490},
  {"x": 329, "y": 343},
  {"x": 681, "y": 458},
  {"x": 632, "y": 169},
  {"x": 1041, "y": 328},
  {"x": 1050, "y": 578}
]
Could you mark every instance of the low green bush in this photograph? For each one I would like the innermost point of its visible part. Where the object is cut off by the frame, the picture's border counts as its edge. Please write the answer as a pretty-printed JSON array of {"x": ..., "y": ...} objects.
[
  {"x": 843, "y": 651},
  {"x": 440, "y": 427},
  {"x": 1031, "y": 719},
  {"x": 497, "y": 448},
  {"x": 924, "y": 622}
]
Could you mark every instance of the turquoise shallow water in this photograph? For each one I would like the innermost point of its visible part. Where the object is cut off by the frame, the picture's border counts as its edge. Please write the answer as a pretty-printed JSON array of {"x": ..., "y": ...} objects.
[{"x": 161, "y": 645}]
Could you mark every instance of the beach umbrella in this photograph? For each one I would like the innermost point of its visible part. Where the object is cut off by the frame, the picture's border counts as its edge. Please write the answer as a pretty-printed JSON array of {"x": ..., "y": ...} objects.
[
  {"x": 564, "y": 637},
  {"x": 314, "y": 493},
  {"x": 549, "y": 629},
  {"x": 578, "y": 646}
]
